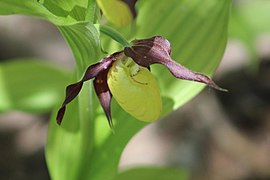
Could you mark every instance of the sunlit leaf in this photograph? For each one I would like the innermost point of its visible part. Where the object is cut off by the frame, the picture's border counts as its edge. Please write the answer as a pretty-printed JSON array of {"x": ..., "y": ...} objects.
[
  {"x": 67, "y": 8},
  {"x": 83, "y": 39},
  {"x": 116, "y": 11},
  {"x": 59, "y": 12},
  {"x": 153, "y": 173},
  {"x": 70, "y": 145},
  {"x": 30, "y": 85}
]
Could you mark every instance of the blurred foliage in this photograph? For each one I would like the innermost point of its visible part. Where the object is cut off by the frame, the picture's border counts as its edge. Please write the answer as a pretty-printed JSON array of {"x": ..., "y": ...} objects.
[
  {"x": 30, "y": 85},
  {"x": 61, "y": 12},
  {"x": 249, "y": 19}
]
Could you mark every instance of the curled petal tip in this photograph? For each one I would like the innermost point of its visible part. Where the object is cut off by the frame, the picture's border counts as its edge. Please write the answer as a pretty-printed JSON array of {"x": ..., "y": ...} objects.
[
  {"x": 206, "y": 80},
  {"x": 108, "y": 115},
  {"x": 219, "y": 88},
  {"x": 72, "y": 91},
  {"x": 60, "y": 115},
  {"x": 110, "y": 123},
  {"x": 212, "y": 84}
]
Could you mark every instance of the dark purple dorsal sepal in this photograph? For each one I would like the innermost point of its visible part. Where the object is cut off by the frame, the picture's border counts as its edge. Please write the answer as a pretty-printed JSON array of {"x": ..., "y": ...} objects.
[{"x": 157, "y": 50}]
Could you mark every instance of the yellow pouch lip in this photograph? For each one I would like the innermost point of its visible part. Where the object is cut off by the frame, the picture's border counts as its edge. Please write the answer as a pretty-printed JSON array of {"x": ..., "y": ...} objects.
[{"x": 135, "y": 89}]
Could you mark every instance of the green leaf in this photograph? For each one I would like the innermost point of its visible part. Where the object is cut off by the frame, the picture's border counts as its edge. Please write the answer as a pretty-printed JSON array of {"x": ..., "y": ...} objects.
[
  {"x": 27, "y": 7},
  {"x": 30, "y": 85},
  {"x": 153, "y": 173},
  {"x": 70, "y": 145},
  {"x": 67, "y": 8},
  {"x": 116, "y": 11},
  {"x": 60, "y": 12},
  {"x": 83, "y": 39}
]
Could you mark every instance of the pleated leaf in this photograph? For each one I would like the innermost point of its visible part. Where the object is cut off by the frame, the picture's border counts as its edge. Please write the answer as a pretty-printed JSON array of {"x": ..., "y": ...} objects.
[
  {"x": 69, "y": 147},
  {"x": 61, "y": 12}
]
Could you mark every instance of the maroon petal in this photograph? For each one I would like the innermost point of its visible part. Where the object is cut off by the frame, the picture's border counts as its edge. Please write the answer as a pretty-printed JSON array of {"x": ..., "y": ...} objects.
[
  {"x": 157, "y": 50},
  {"x": 71, "y": 92},
  {"x": 104, "y": 94},
  {"x": 149, "y": 51},
  {"x": 92, "y": 71},
  {"x": 105, "y": 63},
  {"x": 182, "y": 72}
]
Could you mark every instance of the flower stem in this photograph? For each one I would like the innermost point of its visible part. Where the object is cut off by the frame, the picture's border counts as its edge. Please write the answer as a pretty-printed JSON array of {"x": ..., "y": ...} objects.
[{"x": 115, "y": 35}]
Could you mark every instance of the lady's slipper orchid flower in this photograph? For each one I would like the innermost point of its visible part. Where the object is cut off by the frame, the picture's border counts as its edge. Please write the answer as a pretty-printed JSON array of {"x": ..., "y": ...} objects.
[{"x": 126, "y": 74}]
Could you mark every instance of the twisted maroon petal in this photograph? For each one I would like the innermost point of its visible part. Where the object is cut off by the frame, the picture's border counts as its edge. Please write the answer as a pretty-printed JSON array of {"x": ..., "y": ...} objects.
[
  {"x": 157, "y": 50},
  {"x": 73, "y": 90},
  {"x": 104, "y": 94}
]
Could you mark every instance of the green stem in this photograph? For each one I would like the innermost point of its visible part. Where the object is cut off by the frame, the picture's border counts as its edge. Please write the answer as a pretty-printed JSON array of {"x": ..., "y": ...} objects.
[{"x": 115, "y": 35}]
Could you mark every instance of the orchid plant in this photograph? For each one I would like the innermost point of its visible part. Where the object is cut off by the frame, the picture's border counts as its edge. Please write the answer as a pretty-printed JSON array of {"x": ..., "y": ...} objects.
[
  {"x": 126, "y": 74},
  {"x": 83, "y": 146}
]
